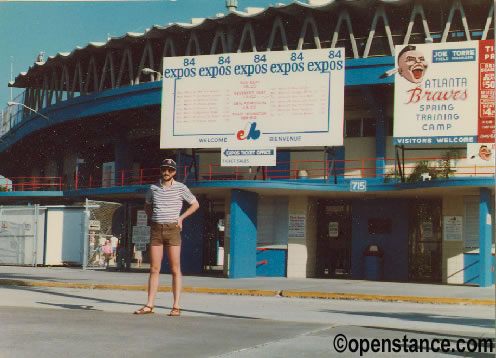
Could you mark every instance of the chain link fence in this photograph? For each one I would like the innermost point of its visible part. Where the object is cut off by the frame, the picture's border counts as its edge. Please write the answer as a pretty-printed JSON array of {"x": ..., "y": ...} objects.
[{"x": 104, "y": 224}]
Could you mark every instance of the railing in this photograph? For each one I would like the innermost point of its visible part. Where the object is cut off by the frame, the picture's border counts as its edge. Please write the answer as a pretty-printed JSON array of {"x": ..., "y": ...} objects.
[
  {"x": 32, "y": 184},
  {"x": 325, "y": 171}
]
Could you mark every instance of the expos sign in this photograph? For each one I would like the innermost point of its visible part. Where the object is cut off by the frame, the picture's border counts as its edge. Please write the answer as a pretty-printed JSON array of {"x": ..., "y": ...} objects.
[{"x": 270, "y": 99}]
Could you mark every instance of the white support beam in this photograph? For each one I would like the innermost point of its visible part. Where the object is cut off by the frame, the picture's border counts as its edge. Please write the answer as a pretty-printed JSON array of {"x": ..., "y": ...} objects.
[
  {"x": 219, "y": 35},
  {"x": 147, "y": 53},
  {"x": 309, "y": 20},
  {"x": 247, "y": 31},
  {"x": 126, "y": 58},
  {"x": 488, "y": 22},
  {"x": 345, "y": 16},
  {"x": 169, "y": 51},
  {"x": 193, "y": 41},
  {"x": 380, "y": 12},
  {"x": 278, "y": 25},
  {"x": 456, "y": 5},
  {"x": 417, "y": 10}
]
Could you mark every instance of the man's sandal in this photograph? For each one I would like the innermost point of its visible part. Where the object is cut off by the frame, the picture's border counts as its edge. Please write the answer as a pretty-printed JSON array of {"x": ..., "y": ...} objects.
[
  {"x": 145, "y": 310},
  {"x": 175, "y": 312}
]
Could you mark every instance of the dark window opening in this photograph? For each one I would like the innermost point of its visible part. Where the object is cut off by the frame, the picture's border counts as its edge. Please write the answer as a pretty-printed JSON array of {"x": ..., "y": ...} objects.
[{"x": 380, "y": 226}]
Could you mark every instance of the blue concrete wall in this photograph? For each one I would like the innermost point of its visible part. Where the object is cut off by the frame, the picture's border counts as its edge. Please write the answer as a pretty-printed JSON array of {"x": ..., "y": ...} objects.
[
  {"x": 394, "y": 245},
  {"x": 282, "y": 169},
  {"x": 192, "y": 243},
  {"x": 243, "y": 239},
  {"x": 337, "y": 175},
  {"x": 471, "y": 267},
  {"x": 485, "y": 238},
  {"x": 276, "y": 262}
]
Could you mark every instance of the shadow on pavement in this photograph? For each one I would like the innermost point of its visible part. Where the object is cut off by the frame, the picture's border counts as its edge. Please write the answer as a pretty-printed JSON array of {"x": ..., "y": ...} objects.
[
  {"x": 421, "y": 317},
  {"x": 101, "y": 300}
]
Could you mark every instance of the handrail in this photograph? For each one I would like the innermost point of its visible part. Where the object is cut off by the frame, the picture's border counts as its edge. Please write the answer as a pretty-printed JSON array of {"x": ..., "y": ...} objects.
[{"x": 287, "y": 170}]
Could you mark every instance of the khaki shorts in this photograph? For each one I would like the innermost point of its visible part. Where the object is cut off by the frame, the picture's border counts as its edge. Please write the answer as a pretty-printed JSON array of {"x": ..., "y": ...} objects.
[{"x": 165, "y": 234}]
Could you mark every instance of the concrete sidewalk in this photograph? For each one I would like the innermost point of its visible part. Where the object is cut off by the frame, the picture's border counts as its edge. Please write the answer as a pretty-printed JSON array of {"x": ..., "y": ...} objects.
[{"x": 260, "y": 286}]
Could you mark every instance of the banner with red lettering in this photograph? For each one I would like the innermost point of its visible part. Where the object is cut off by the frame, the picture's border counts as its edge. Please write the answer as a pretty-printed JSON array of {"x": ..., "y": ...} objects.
[
  {"x": 438, "y": 96},
  {"x": 486, "y": 91}
]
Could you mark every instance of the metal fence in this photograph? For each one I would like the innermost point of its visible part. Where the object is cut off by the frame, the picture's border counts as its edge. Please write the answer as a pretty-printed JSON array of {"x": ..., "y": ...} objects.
[
  {"x": 104, "y": 224},
  {"x": 19, "y": 235}
]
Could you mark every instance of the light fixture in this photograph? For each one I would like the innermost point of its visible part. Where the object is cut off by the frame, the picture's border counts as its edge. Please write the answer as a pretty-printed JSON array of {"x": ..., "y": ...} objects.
[
  {"x": 149, "y": 71},
  {"x": 10, "y": 103}
]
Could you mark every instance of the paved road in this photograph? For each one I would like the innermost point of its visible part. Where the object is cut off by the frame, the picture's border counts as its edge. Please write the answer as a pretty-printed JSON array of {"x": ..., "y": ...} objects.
[{"x": 68, "y": 322}]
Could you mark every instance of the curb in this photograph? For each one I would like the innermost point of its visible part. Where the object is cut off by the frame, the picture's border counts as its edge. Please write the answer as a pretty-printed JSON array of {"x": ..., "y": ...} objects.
[
  {"x": 248, "y": 292},
  {"x": 383, "y": 298}
]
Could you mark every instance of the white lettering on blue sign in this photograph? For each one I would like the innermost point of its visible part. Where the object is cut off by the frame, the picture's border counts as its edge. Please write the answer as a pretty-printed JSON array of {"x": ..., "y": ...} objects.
[{"x": 358, "y": 185}]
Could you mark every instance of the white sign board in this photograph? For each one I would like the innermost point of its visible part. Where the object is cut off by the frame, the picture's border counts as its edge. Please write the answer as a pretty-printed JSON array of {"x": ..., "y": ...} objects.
[
  {"x": 141, "y": 218},
  {"x": 275, "y": 99},
  {"x": 481, "y": 153},
  {"x": 297, "y": 223},
  {"x": 140, "y": 247},
  {"x": 141, "y": 234},
  {"x": 437, "y": 94},
  {"x": 453, "y": 228},
  {"x": 427, "y": 230},
  {"x": 234, "y": 157},
  {"x": 95, "y": 225},
  {"x": 333, "y": 229}
]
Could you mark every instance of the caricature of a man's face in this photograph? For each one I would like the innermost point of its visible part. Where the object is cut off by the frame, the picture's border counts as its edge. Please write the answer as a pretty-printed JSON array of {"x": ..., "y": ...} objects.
[
  {"x": 485, "y": 152},
  {"x": 412, "y": 66}
]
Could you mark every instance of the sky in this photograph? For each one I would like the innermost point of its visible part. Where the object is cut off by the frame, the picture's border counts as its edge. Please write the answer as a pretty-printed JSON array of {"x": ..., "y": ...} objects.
[{"x": 29, "y": 27}]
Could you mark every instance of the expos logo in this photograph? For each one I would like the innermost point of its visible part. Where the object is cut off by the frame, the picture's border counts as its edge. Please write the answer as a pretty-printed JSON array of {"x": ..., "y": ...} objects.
[{"x": 253, "y": 133}]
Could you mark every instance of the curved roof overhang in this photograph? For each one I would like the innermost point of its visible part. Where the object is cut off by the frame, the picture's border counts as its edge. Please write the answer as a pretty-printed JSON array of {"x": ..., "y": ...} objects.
[{"x": 296, "y": 8}]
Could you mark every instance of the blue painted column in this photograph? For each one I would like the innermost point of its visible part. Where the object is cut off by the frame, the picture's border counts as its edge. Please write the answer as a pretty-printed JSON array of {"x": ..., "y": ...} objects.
[
  {"x": 282, "y": 168},
  {"x": 183, "y": 161},
  {"x": 243, "y": 238},
  {"x": 123, "y": 155},
  {"x": 192, "y": 242},
  {"x": 485, "y": 244},
  {"x": 380, "y": 147},
  {"x": 376, "y": 101},
  {"x": 339, "y": 165}
]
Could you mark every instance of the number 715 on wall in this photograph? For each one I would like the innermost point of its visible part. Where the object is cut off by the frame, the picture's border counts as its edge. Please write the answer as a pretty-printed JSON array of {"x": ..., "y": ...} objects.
[{"x": 358, "y": 185}]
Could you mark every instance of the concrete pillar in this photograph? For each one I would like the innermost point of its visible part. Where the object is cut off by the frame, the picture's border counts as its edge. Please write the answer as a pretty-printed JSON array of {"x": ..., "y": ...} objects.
[
  {"x": 380, "y": 147},
  {"x": 485, "y": 244},
  {"x": 243, "y": 234},
  {"x": 122, "y": 154}
]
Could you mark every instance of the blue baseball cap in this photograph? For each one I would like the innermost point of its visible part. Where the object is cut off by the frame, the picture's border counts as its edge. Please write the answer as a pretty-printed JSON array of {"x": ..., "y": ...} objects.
[{"x": 168, "y": 163}]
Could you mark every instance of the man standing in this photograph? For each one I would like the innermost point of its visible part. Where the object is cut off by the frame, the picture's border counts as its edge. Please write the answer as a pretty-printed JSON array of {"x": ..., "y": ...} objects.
[{"x": 163, "y": 204}]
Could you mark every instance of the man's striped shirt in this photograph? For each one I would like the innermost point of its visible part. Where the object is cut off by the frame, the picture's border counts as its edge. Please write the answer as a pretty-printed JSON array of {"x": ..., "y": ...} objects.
[{"x": 167, "y": 201}]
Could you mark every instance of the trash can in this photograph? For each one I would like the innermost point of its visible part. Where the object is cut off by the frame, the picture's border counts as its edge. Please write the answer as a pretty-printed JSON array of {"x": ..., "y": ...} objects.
[{"x": 374, "y": 263}]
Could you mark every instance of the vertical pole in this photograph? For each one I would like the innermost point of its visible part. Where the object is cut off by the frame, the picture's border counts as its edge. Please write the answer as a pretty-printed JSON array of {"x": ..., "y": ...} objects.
[
  {"x": 11, "y": 74},
  {"x": 85, "y": 231},
  {"x": 35, "y": 234}
]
